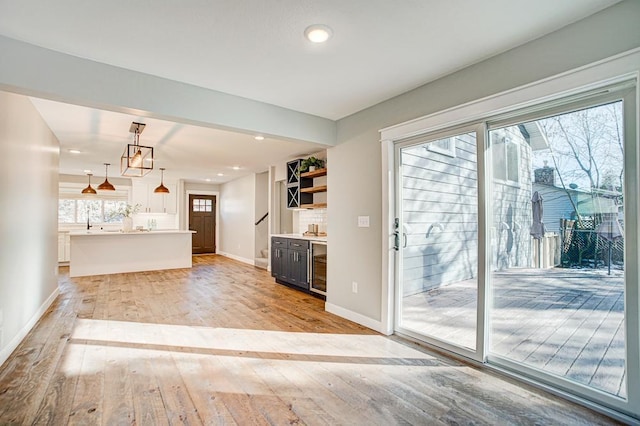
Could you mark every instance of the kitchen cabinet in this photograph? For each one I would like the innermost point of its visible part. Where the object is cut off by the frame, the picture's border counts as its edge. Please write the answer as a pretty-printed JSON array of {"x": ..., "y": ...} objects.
[
  {"x": 290, "y": 261},
  {"x": 279, "y": 258},
  {"x": 299, "y": 263},
  {"x": 151, "y": 202}
]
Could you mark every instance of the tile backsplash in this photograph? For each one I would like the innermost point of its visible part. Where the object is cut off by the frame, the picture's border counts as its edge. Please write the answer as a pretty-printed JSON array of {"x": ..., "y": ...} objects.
[{"x": 307, "y": 217}]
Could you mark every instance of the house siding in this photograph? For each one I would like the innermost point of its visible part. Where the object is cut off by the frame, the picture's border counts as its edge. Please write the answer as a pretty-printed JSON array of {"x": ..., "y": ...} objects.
[
  {"x": 511, "y": 206},
  {"x": 440, "y": 215}
]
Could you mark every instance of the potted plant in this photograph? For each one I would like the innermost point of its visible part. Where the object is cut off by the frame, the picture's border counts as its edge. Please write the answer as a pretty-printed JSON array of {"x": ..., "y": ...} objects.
[{"x": 311, "y": 163}]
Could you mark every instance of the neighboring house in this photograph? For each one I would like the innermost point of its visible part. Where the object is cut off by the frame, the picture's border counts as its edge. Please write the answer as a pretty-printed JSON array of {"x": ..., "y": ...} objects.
[
  {"x": 440, "y": 206},
  {"x": 561, "y": 203}
]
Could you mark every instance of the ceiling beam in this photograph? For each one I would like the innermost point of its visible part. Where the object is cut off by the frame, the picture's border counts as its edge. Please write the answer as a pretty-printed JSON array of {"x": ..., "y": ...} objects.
[{"x": 35, "y": 71}]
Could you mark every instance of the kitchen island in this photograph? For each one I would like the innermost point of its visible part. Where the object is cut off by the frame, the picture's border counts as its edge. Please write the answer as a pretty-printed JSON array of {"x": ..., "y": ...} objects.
[{"x": 113, "y": 252}]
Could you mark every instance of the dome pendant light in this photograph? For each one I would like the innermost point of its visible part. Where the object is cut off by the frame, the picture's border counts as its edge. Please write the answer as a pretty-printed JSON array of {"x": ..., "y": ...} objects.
[
  {"x": 106, "y": 185},
  {"x": 89, "y": 189},
  {"x": 161, "y": 189}
]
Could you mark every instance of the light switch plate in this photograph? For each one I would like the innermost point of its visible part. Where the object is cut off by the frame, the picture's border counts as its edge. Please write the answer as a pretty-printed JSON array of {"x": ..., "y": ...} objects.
[{"x": 363, "y": 221}]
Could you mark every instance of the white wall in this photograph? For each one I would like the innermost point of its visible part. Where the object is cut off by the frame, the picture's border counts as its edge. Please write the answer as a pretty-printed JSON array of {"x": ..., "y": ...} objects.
[
  {"x": 237, "y": 212},
  {"x": 29, "y": 219},
  {"x": 355, "y": 179}
]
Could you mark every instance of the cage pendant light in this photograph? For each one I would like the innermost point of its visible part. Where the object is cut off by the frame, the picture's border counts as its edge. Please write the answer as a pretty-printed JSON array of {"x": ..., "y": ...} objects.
[
  {"x": 106, "y": 185},
  {"x": 89, "y": 189},
  {"x": 137, "y": 160},
  {"x": 161, "y": 189}
]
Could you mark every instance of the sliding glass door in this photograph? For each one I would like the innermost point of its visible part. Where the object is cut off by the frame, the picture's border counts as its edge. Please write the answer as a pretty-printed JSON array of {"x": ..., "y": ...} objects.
[
  {"x": 558, "y": 246},
  {"x": 437, "y": 239},
  {"x": 516, "y": 243}
]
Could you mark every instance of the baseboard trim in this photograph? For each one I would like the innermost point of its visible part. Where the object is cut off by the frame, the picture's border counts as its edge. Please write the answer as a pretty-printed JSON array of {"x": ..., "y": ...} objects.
[
  {"x": 238, "y": 258},
  {"x": 15, "y": 342},
  {"x": 356, "y": 317}
]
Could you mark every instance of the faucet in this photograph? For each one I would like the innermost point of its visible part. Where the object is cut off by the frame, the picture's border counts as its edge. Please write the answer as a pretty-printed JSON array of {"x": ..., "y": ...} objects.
[{"x": 89, "y": 226}]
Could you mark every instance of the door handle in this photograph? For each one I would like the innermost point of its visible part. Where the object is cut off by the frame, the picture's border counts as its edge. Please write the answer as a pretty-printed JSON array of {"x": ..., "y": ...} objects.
[
  {"x": 404, "y": 245},
  {"x": 396, "y": 235}
]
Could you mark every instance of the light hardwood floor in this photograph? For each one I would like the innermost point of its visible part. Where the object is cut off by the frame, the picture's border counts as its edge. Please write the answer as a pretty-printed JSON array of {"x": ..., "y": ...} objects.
[{"x": 223, "y": 344}]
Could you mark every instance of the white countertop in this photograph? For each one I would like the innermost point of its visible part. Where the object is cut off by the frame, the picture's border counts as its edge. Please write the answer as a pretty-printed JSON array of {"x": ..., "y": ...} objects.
[
  {"x": 301, "y": 237},
  {"x": 98, "y": 232}
]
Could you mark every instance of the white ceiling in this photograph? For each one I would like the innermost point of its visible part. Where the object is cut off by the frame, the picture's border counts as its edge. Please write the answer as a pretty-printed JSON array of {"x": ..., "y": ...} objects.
[
  {"x": 256, "y": 49},
  {"x": 188, "y": 152}
]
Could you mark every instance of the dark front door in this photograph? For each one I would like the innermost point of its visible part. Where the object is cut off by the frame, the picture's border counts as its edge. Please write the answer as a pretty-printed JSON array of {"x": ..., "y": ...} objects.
[{"x": 202, "y": 219}]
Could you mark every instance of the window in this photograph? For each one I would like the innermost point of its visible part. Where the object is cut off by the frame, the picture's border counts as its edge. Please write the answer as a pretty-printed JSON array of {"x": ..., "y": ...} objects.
[
  {"x": 202, "y": 205},
  {"x": 72, "y": 210},
  {"x": 446, "y": 146},
  {"x": 506, "y": 158}
]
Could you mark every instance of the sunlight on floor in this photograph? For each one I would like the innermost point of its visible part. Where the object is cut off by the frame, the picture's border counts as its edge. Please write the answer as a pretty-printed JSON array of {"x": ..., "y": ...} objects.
[{"x": 120, "y": 341}]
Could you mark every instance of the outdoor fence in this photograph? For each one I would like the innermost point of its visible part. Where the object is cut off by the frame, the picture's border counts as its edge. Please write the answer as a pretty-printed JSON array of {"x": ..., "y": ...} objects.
[{"x": 583, "y": 247}]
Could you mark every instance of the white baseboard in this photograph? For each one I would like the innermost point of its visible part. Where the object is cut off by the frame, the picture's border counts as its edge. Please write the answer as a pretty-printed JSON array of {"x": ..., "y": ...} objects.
[
  {"x": 356, "y": 317},
  {"x": 6, "y": 352},
  {"x": 238, "y": 258}
]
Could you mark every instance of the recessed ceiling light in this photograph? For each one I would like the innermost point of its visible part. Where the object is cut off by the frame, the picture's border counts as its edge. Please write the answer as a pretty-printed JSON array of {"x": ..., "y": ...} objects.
[
  {"x": 236, "y": 167},
  {"x": 318, "y": 33},
  {"x": 208, "y": 180},
  {"x": 220, "y": 174},
  {"x": 86, "y": 171},
  {"x": 259, "y": 138},
  {"x": 74, "y": 151}
]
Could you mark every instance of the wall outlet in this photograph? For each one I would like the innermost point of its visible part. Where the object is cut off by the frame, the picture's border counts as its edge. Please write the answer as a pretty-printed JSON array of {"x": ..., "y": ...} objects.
[
  {"x": 363, "y": 221},
  {"x": 354, "y": 287}
]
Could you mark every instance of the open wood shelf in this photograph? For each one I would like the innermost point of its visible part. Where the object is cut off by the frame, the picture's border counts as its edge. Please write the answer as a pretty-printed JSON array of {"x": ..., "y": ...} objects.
[
  {"x": 313, "y": 206},
  {"x": 315, "y": 173},
  {"x": 314, "y": 189}
]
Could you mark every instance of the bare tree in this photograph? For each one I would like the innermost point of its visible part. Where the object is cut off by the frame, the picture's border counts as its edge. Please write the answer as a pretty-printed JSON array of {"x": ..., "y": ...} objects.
[{"x": 586, "y": 146}]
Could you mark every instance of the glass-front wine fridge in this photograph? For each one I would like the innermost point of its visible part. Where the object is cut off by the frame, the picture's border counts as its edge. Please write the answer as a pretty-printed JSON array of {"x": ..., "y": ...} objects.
[{"x": 319, "y": 267}]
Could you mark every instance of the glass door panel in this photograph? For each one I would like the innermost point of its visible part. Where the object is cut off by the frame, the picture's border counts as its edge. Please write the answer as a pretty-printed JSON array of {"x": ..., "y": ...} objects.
[
  {"x": 437, "y": 288},
  {"x": 557, "y": 247}
]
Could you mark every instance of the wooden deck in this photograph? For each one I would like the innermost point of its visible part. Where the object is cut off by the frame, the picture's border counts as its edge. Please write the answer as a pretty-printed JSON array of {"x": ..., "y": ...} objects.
[
  {"x": 223, "y": 344},
  {"x": 566, "y": 322}
]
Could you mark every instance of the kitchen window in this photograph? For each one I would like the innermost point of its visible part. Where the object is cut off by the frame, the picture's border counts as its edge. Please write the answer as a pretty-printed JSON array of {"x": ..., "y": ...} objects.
[{"x": 75, "y": 211}]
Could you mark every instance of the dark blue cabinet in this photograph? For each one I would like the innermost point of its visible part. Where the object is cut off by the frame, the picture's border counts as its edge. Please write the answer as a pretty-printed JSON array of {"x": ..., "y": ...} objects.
[{"x": 290, "y": 261}]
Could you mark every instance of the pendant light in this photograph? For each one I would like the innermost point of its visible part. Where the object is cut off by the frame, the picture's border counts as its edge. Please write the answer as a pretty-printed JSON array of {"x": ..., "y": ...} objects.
[
  {"x": 161, "y": 189},
  {"x": 89, "y": 189},
  {"x": 137, "y": 160},
  {"x": 106, "y": 185}
]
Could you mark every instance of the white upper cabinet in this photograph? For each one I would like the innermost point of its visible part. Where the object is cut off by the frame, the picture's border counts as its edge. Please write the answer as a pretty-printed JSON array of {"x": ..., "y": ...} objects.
[{"x": 151, "y": 202}]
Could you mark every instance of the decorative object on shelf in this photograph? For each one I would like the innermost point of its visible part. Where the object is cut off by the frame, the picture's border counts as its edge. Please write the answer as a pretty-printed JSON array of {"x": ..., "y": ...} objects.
[
  {"x": 89, "y": 189},
  {"x": 106, "y": 185},
  {"x": 161, "y": 189},
  {"x": 137, "y": 160},
  {"x": 311, "y": 164}
]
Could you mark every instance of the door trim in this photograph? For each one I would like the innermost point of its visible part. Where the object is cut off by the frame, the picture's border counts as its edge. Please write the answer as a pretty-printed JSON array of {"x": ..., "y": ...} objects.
[{"x": 187, "y": 207}]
